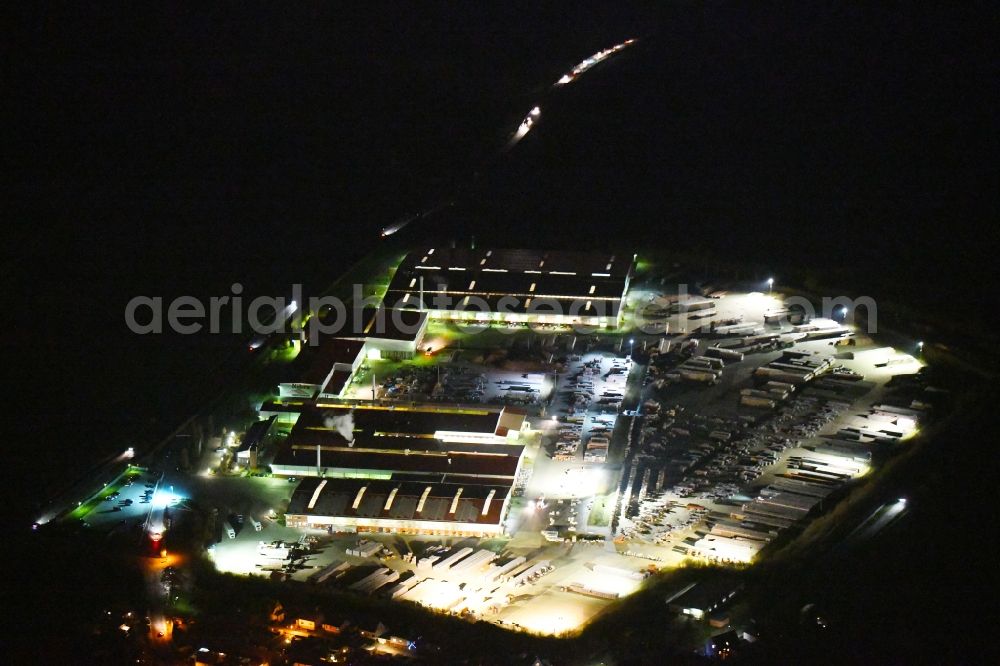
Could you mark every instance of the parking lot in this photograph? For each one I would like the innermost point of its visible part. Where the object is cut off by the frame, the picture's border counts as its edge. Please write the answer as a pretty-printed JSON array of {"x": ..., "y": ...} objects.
[
  {"x": 707, "y": 461},
  {"x": 586, "y": 404},
  {"x": 126, "y": 503}
]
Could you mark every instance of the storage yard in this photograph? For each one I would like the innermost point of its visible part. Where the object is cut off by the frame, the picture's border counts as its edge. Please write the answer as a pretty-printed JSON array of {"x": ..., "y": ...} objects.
[
  {"x": 709, "y": 428},
  {"x": 746, "y": 433}
]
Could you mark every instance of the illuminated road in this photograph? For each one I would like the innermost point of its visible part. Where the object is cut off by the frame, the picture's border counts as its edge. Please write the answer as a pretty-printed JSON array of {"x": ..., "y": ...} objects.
[
  {"x": 525, "y": 127},
  {"x": 879, "y": 519},
  {"x": 258, "y": 340},
  {"x": 399, "y": 224},
  {"x": 529, "y": 122},
  {"x": 108, "y": 471},
  {"x": 160, "y": 626},
  {"x": 586, "y": 64}
]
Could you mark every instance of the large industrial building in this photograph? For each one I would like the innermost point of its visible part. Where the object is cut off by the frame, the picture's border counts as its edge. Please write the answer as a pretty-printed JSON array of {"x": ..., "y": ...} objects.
[
  {"x": 428, "y": 470},
  {"x": 386, "y": 332},
  {"x": 526, "y": 286},
  {"x": 326, "y": 369},
  {"x": 529, "y": 286},
  {"x": 400, "y": 506}
]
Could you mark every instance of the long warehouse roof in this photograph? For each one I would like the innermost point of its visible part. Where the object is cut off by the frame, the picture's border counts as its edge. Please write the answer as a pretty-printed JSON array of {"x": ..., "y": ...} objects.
[
  {"x": 314, "y": 364},
  {"x": 522, "y": 260},
  {"x": 450, "y": 276},
  {"x": 399, "y": 500},
  {"x": 370, "y": 424},
  {"x": 371, "y": 323},
  {"x": 437, "y": 465}
]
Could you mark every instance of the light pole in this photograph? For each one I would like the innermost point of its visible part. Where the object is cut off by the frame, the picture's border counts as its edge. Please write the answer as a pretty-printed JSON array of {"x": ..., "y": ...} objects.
[
  {"x": 920, "y": 347},
  {"x": 770, "y": 283},
  {"x": 631, "y": 346}
]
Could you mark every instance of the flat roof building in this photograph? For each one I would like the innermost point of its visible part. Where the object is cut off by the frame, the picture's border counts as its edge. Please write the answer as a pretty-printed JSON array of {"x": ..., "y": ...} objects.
[
  {"x": 403, "y": 507},
  {"x": 385, "y": 464},
  {"x": 427, "y": 470},
  {"x": 323, "y": 370},
  {"x": 386, "y": 332},
  {"x": 335, "y": 424},
  {"x": 699, "y": 599},
  {"x": 555, "y": 287},
  {"x": 250, "y": 445}
]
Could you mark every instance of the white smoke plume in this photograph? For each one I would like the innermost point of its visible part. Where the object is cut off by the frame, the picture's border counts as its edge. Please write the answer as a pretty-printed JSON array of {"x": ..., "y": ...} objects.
[{"x": 344, "y": 425}]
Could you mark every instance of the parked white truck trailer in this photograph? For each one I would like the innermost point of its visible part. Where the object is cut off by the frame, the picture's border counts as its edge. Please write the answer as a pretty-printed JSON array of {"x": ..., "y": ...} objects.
[{"x": 727, "y": 355}]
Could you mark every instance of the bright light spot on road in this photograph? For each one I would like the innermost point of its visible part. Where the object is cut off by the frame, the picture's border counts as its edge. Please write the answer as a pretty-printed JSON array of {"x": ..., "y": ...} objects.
[{"x": 526, "y": 124}]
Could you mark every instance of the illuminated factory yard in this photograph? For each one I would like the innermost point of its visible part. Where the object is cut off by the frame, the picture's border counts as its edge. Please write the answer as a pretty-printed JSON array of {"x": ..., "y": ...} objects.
[
  {"x": 507, "y": 335},
  {"x": 526, "y": 473}
]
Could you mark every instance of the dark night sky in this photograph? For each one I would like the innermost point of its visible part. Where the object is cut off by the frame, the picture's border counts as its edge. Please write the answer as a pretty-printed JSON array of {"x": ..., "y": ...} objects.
[{"x": 181, "y": 150}]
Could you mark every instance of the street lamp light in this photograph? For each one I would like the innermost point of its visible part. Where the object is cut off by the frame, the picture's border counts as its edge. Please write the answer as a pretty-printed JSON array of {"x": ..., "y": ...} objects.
[
  {"x": 770, "y": 283},
  {"x": 920, "y": 345},
  {"x": 631, "y": 346}
]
